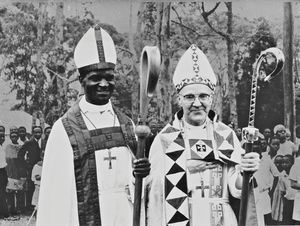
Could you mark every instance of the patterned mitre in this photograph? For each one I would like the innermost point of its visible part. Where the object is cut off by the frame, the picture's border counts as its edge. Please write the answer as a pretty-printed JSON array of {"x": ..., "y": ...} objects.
[
  {"x": 194, "y": 68},
  {"x": 95, "y": 50}
]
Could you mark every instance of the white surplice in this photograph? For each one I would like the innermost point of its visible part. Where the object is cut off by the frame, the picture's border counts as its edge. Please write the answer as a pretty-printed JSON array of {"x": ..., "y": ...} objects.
[
  {"x": 295, "y": 176},
  {"x": 58, "y": 200}
]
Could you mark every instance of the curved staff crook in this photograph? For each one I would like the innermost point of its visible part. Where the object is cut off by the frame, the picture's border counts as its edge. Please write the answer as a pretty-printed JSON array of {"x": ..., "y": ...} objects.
[
  {"x": 149, "y": 73},
  {"x": 250, "y": 133}
]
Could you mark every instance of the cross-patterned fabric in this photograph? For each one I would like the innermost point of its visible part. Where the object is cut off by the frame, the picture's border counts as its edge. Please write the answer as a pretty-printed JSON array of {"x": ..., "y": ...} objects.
[{"x": 219, "y": 146}]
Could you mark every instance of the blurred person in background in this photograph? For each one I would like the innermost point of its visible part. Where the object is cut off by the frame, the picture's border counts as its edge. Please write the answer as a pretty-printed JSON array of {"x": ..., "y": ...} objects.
[
  {"x": 29, "y": 154},
  {"x": 264, "y": 176},
  {"x": 294, "y": 177},
  {"x": 36, "y": 178},
  {"x": 3, "y": 176},
  {"x": 279, "y": 192},
  {"x": 267, "y": 134},
  {"x": 15, "y": 184},
  {"x": 44, "y": 140},
  {"x": 288, "y": 199},
  {"x": 286, "y": 147},
  {"x": 22, "y": 135}
]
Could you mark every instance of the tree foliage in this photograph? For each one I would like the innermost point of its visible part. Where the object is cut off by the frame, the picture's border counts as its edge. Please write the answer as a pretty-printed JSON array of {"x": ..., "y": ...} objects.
[{"x": 19, "y": 50}]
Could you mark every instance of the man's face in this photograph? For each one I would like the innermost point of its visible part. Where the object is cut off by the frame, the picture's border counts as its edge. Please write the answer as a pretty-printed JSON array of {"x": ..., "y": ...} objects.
[
  {"x": 274, "y": 144},
  {"x": 2, "y": 137},
  {"x": 195, "y": 100},
  {"x": 22, "y": 132},
  {"x": 37, "y": 133},
  {"x": 47, "y": 132},
  {"x": 263, "y": 144},
  {"x": 286, "y": 163},
  {"x": 281, "y": 134},
  {"x": 267, "y": 133},
  {"x": 98, "y": 86},
  {"x": 14, "y": 138},
  {"x": 278, "y": 163}
]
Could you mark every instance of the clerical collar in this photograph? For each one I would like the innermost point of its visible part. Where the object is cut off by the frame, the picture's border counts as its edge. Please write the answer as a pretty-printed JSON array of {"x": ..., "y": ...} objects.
[
  {"x": 88, "y": 107},
  {"x": 192, "y": 127}
]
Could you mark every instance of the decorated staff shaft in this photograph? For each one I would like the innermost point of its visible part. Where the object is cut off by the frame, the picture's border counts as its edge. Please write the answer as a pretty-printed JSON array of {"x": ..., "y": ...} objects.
[
  {"x": 250, "y": 133},
  {"x": 149, "y": 73}
]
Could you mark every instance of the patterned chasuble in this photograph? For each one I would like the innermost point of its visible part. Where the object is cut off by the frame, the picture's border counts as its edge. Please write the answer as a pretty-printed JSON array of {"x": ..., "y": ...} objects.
[
  {"x": 220, "y": 147},
  {"x": 84, "y": 144}
]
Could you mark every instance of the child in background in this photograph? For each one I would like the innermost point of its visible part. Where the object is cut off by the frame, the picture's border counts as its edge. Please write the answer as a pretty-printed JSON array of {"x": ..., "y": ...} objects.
[
  {"x": 295, "y": 183},
  {"x": 279, "y": 192},
  {"x": 273, "y": 147},
  {"x": 36, "y": 178},
  {"x": 288, "y": 199},
  {"x": 264, "y": 176}
]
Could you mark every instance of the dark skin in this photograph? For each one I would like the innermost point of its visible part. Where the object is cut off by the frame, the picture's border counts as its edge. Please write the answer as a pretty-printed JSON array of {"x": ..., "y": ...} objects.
[
  {"x": 267, "y": 133},
  {"x": 98, "y": 88},
  {"x": 22, "y": 133},
  {"x": 287, "y": 163},
  {"x": 281, "y": 135},
  {"x": 278, "y": 161},
  {"x": 37, "y": 133},
  {"x": 47, "y": 132},
  {"x": 274, "y": 146},
  {"x": 2, "y": 137},
  {"x": 14, "y": 138}
]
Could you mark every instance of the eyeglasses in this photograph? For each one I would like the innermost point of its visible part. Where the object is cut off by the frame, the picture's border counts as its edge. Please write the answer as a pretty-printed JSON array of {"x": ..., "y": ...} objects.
[{"x": 192, "y": 97}]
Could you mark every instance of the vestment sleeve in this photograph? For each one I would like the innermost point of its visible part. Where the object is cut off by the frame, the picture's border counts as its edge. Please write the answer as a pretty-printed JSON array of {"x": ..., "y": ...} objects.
[
  {"x": 232, "y": 176},
  {"x": 58, "y": 200},
  {"x": 154, "y": 184}
]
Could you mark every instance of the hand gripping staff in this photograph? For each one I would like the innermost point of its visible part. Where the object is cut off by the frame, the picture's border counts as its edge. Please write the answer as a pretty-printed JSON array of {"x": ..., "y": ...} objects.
[
  {"x": 149, "y": 73},
  {"x": 250, "y": 133}
]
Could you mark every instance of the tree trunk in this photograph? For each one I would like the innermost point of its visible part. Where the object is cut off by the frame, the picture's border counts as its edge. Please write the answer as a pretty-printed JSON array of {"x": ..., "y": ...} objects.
[
  {"x": 135, "y": 65},
  {"x": 61, "y": 84},
  {"x": 232, "y": 83},
  {"x": 37, "y": 114},
  {"x": 59, "y": 23},
  {"x": 164, "y": 89},
  {"x": 288, "y": 77}
]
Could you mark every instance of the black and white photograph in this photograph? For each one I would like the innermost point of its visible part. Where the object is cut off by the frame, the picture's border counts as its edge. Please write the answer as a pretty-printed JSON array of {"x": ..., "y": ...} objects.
[{"x": 149, "y": 113}]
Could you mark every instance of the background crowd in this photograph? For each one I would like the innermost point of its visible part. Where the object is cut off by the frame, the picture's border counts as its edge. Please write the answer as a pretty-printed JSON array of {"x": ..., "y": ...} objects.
[
  {"x": 21, "y": 155},
  {"x": 278, "y": 191}
]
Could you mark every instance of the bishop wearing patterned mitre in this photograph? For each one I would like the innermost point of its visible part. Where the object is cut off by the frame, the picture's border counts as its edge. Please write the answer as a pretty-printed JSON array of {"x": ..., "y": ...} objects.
[{"x": 196, "y": 160}]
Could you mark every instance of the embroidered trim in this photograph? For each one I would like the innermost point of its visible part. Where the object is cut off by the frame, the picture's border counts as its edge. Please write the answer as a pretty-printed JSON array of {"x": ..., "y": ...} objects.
[{"x": 198, "y": 80}]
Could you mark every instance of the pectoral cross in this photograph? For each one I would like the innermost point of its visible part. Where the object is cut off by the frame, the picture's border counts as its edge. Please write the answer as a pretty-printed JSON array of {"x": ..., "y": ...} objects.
[
  {"x": 202, "y": 187},
  {"x": 109, "y": 158}
]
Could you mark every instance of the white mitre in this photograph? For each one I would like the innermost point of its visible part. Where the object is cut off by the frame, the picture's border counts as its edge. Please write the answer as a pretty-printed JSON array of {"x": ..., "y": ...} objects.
[
  {"x": 194, "y": 68},
  {"x": 95, "y": 50}
]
